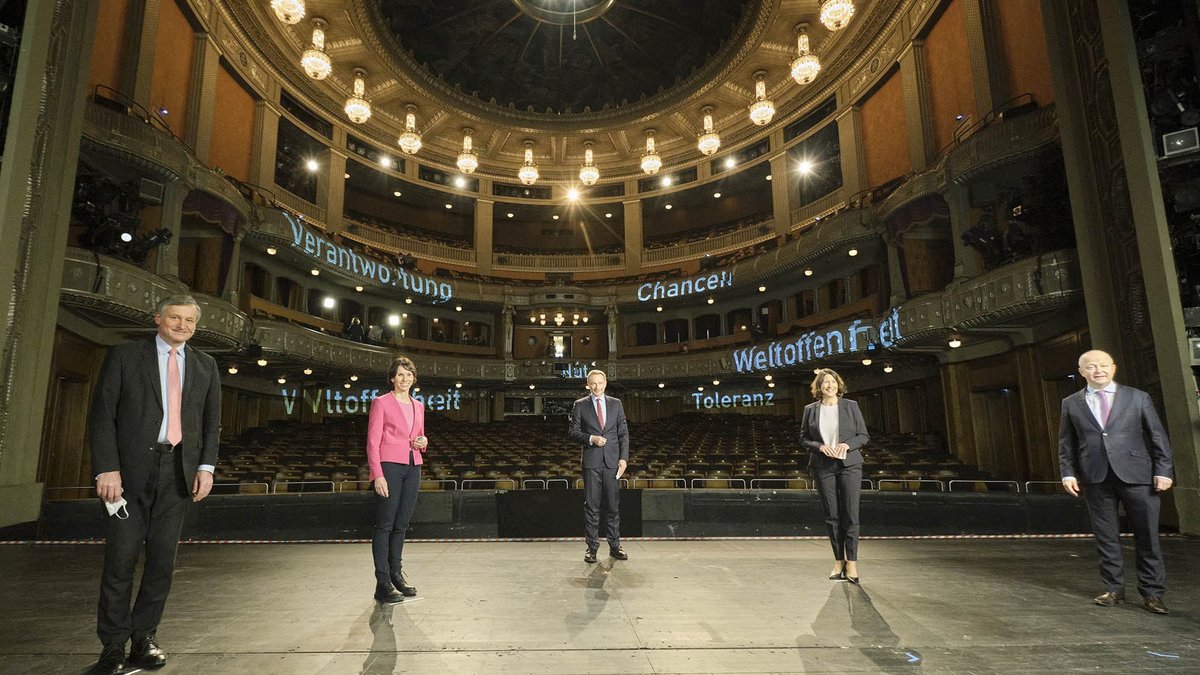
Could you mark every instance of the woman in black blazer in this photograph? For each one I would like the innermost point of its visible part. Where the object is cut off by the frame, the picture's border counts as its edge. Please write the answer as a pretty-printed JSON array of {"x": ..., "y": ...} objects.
[{"x": 833, "y": 432}]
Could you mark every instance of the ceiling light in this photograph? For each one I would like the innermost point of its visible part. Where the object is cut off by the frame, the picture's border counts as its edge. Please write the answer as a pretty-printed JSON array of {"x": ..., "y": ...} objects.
[
  {"x": 528, "y": 173},
  {"x": 651, "y": 161},
  {"x": 288, "y": 11},
  {"x": 955, "y": 343},
  {"x": 458, "y": 385},
  {"x": 770, "y": 385},
  {"x": 589, "y": 173},
  {"x": 807, "y": 65},
  {"x": 312, "y": 165},
  {"x": 328, "y": 302},
  {"x": 666, "y": 181},
  {"x": 658, "y": 309},
  {"x": 730, "y": 162},
  {"x": 716, "y": 195},
  {"x": 315, "y": 272},
  {"x": 716, "y": 382},
  {"x": 281, "y": 380},
  {"x": 346, "y": 176},
  {"x": 835, "y": 14},
  {"x": 668, "y": 207},
  {"x": 554, "y": 217},
  {"x": 395, "y": 193},
  {"x": 359, "y": 289},
  {"x": 468, "y": 160},
  {"x": 700, "y": 388},
  {"x": 232, "y": 370},
  {"x": 393, "y": 319},
  {"x": 768, "y": 378},
  {"x": 346, "y": 386},
  {"x": 762, "y": 289},
  {"x": 708, "y": 142},
  {"x": 852, "y": 252},
  {"x": 458, "y": 308},
  {"x": 410, "y": 139},
  {"x": 768, "y": 176},
  {"x": 357, "y": 108},
  {"x": 808, "y": 272},
  {"x": 308, "y": 371},
  {"x": 314, "y": 60},
  {"x": 661, "y": 385},
  {"x": 608, "y": 215},
  {"x": 887, "y": 368},
  {"x": 449, "y": 205},
  {"x": 805, "y": 167},
  {"x": 533, "y": 386},
  {"x": 460, "y": 182},
  {"x": 354, "y": 378},
  {"x": 408, "y": 301},
  {"x": 572, "y": 194},
  {"x": 385, "y": 162},
  {"x": 762, "y": 110},
  {"x": 271, "y": 250},
  {"x": 866, "y": 361},
  {"x": 509, "y": 214},
  {"x": 711, "y": 301},
  {"x": 262, "y": 362}
]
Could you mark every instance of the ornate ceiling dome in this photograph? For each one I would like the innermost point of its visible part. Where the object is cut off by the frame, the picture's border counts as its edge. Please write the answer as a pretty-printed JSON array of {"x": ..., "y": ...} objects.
[{"x": 564, "y": 56}]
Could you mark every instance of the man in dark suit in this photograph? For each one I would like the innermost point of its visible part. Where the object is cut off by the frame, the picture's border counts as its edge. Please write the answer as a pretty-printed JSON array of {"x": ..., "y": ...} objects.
[
  {"x": 598, "y": 426},
  {"x": 1112, "y": 447},
  {"x": 154, "y": 428}
]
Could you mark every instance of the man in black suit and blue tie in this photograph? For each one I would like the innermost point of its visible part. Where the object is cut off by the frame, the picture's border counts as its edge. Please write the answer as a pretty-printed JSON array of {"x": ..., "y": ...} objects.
[
  {"x": 1113, "y": 448},
  {"x": 598, "y": 426},
  {"x": 154, "y": 429}
]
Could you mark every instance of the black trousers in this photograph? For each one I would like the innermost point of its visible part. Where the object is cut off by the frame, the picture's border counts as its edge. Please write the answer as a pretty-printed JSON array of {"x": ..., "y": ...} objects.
[
  {"x": 839, "y": 489},
  {"x": 1142, "y": 508},
  {"x": 392, "y": 514},
  {"x": 155, "y": 522},
  {"x": 601, "y": 487}
]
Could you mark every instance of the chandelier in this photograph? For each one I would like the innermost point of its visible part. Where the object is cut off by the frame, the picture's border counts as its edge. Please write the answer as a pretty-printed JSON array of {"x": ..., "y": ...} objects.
[
  {"x": 410, "y": 140},
  {"x": 589, "y": 173},
  {"x": 651, "y": 162},
  {"x": 762, "y": 110},
  {"x": 835, "y": 14},
  {"x": 708, "y": 141},
  {"x": 468, "y": 161},
  {"x": 528, "y": 173},
  {"x": 807, "y": 65},
  {"x": 357, "y": 108},
  {"x": 288, "y": 11},
  {"x": 314, "y": 60}
]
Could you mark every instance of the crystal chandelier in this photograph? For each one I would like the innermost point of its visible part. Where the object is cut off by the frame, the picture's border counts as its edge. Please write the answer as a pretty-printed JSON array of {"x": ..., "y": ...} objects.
[
  {"x": 835, "y": 14},
  {"x": 315, "y": 61},
  {"x": 762, "y": 110},
  {"x": 468, "y": 161},
  {"x": 589, "y": 173},
  {"x": 288, "y": 11},
  {"x": 528, "y": 173},
  {"x": 807, "y": 65},
  {"x": 357, "y": 108},
  {"x": 708, "y": 141},
  {"x": 410, "y": 140},
  {"x": 651, "y": 162}
]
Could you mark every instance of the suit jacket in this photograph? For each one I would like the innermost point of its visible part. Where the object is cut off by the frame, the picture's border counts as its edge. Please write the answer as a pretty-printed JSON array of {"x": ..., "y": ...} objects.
[
  {"x": 585, "y": 424},
  {"x": 127, "y": 414},
  {"x": 391, "y": 430},
  {"x": 852, "y": 430},
  {"x": 1134, "y": 442}
]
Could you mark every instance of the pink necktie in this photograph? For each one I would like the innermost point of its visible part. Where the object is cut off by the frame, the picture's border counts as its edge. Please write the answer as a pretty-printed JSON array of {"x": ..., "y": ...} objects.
[
  {"x": 1105, "y": 408},
  {"x": 174, "y": 400},
  {"x": 600, "y": 414}
]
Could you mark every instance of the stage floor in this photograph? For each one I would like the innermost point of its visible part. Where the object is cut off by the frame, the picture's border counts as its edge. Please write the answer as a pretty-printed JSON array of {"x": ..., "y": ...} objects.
[{"x": 722, "y": 606}]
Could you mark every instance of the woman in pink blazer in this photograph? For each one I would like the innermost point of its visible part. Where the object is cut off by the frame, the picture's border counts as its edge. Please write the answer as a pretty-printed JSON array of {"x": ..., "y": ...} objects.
[{"x": 395, "y": 446}]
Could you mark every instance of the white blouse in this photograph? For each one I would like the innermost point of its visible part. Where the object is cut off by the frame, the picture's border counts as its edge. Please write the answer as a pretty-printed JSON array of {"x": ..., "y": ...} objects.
[{"x": 829, "y": 424}]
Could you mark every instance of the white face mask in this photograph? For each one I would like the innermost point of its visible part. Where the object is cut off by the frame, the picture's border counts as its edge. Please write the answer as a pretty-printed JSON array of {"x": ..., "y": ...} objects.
[{"x": 114, "y": 508}]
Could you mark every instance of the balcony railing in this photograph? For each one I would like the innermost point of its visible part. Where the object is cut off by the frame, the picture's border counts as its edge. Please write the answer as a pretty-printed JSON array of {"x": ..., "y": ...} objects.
[
  {"x": 312, "y": 213},
  {"x": 718, "y": 245},
  {"x": 825, "y": 206},
  {"x": 532, "y": 262},
  {"x": 398, "y": 243}
]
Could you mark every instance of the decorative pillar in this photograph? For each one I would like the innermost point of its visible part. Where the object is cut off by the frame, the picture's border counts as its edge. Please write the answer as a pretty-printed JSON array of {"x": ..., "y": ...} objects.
[
  {"x": 172, "y": 219},
  {"x": 484, "y": 219},
  {"x": 914, "y": 77},
  {"x": 611, "y": 312},
  {"x": 967, "y": 263},
  {"x": 987, "y": 62},
  {"x": 854, "y": 164},
  {"x": 335, "y": 191},
  {"x": 266, "y": 138},
  {"x": 507, "y": 315},
  {"x": 143, "y": 44},
  {"x": 1120, "y": 225},
  {"x": 960, "y": 426},
  {"x": 781, "y": 188},
  {"x": 201, "y": 108},
  {"x": 633, "y": 231},
  {"x": 37, "y": 181},
  {"x": 233, "y": 276}
]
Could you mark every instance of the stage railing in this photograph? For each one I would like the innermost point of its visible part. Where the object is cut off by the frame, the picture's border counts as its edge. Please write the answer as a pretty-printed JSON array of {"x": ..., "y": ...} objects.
[
  {"x": 470, "y": 483},
  {"x": 785, "y": 483},
  {"x": 964, "y": 481},
  {"x": 905, "y": 482},
  {"x": 728, "y": 482},
  {"x": 1047, "y": 483},
  {"x": 241, "y": 488},
  {"x": 287, "y": 485}
]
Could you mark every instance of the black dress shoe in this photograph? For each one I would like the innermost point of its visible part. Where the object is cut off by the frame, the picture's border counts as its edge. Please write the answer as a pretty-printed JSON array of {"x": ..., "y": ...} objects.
[
  {"x": 145, "y": 653},
  {"x": 388, "y": 595},
  {"x": 112, "y": 661},
  {"x": 590, "y": 556},
  {"x": 402, "y": 585},
  {"x": 1108, "y": 599},
  {"x": 1155, "y": 606},
  {"x": 618, "y": 553}
]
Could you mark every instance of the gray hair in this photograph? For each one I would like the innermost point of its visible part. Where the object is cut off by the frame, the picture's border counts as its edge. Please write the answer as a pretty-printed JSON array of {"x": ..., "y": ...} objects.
[
  {"x": 174, "y": 300},
  {"x": 598, "y": 372}
]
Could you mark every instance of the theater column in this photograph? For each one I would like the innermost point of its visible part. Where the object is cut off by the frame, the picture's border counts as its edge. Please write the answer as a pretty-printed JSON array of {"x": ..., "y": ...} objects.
[
  {"x": 266, "y": 138},
  {"x": 171, "y": 218},
  {"x": 781, "y": 189},
  {"x": 331, "y": 183},
  {"x": 1121, "y": 228},
  {"x": 854, "y": 166},
  {"x": 143, "y": 29},
  {"x": 1041, "y": 440},
  {"x": 987, "y": 61},
  {"x": 966, "y": 260},
  {"x": 233, "y": 275},
  {"x": 204, "y": 92},
  {"x": 633, "y": 230},
  {"x": 960, "y": 427},
  {"x": 484, "y": 237},
  {"x": 37, "y": 179},
  {"x": 914, "y": 76}
]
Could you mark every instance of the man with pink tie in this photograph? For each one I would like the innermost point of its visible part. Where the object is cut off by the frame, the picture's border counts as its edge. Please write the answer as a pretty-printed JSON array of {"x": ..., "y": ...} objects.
[{"x": 598, "y": 425}]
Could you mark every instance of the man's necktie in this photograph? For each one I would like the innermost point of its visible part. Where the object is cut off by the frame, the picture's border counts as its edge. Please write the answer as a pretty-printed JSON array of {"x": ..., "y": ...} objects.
[
  {"x": 600, "y": 414},
  {"x": 1105, "y": 407},
  {"x": 174, "y": 400}
]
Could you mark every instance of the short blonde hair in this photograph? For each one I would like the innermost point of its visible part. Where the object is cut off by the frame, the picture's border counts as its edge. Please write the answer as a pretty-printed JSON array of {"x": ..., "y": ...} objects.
[{"x": 820, "y": 378}]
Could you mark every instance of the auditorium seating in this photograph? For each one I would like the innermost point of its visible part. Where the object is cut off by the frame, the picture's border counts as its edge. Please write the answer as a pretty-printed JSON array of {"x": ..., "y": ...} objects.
[{"x": 688, "y": 450}]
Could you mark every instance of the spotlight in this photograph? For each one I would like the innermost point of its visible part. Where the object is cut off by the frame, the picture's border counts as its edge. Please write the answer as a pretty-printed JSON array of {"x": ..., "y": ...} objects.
[
  {"x": 449, "y": 206},
  {"x": 510, "y": 215},
  {"x": 768, "y": 176},
  {"x": 554, "y": 217},
  {"x": 806, "y": 167},
  {"x": 573, "y": 194},
  {"x": 768, "y": 378},
  {"x": 770, "y": 385},
  {"x": 126, "y": 237},
  {"x": 460, "y": 182},
  {"x": 700, "y": 388},
  {"x": 312, "y": 165},
  {"x": 608, "y": 215},
  {"x": 533, "y": 386},
  {"x": 385, "y": 162},
  {"x": 658, "y": 309},
  {"x": 458, "y": 385},
  {"x": 329, "y": 302},
  {"x": 666, "y": 181},
  {"x": 730, "y": 162},
  {"x": 393, "y": 320}
]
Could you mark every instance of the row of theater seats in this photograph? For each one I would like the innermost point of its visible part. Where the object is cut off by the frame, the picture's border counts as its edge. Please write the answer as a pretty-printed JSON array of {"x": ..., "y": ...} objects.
[{"x": 688, "y": 450}]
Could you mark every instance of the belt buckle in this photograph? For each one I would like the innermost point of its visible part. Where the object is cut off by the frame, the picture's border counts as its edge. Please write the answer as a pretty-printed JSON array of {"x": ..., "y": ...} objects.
[{"x": 164, "y": 447}]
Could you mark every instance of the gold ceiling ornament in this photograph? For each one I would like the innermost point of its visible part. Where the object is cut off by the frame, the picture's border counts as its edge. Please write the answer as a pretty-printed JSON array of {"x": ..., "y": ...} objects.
[
  {"x": 835, "y": 14},
  {"x": 528, "y": 173},
  {"x": 288, "y": 11},
  {"x": 468, "y": 160},
  {"x": 708, "y": 142},
  {"x": 807, "y": 65},
  {"x": 314, "y": 60},
  {"x": 762, "y": 110},
  {"x": 589, "y": 173},
  {"x": 357, "y": 108},
  {"x": 651, "y": 161},
  {"x": 410, "y": 139}
]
